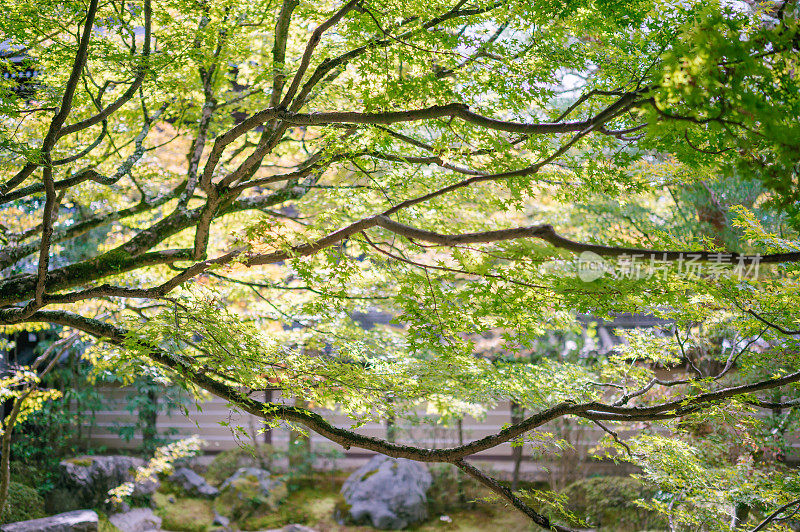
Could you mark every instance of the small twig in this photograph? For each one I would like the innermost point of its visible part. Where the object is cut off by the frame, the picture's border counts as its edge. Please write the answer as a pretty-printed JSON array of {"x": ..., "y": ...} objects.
[{"x": 616, "y": 437}]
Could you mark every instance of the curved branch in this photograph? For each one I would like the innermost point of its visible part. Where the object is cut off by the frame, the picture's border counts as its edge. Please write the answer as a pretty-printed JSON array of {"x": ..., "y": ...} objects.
[
  {"x": 591, "y": 410},
  {"x": 455, "y": 110},
  {"x": 199, "y": 375},
  {"x": 548, "y": 234},
  {"x": 774, "y": 515},
  {"x": 87, "y": 150},
  {"x": 779, "y": 328},
  {"x": 340, "y": 61},
  {"x": 508, "y": 495},
  {"x": 88, "y": 174}
]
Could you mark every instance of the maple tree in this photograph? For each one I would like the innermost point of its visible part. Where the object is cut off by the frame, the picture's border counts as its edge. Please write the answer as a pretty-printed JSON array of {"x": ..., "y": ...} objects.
[{"x": 184, "y": 178}]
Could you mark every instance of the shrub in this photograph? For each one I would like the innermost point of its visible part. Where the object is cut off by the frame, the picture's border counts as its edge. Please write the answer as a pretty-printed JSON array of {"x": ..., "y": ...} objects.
[
  {"x": 303, "y": 460},
  {"x": 609, "y": 503},
  {"x": 451, "y": 489},
  {"x": 246, "y": 497},
  {"x": 23, "y": 503},
  {"x": 226, "y": 463},
  {"x": 37, "y": 476}
]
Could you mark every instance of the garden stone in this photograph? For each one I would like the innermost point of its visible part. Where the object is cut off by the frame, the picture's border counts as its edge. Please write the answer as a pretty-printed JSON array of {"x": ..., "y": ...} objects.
[
  {"x": 387, "y": 493},
  {"x": 92, "y": 476},
  {"x": 193, "y": 484},
  {"x": 221, "y": 520},
  {"x": 138, "y": 520},
  {"x": 250, "y": 490},
  {"x": 77, "y": 521}
]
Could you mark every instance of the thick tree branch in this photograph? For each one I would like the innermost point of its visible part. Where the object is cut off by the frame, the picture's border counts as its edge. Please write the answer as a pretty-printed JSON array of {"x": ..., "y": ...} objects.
[
  {"x": 141, "y": 73},
  {"x": 15, "y": 290},
  {"x": 21, "y": 288},
  {"x": 313, "y": 41},
  {"x": 190, "y": 369},
  {"x": 51, "y": 201},
  {"x": 279, "y": 49},
  {"x": 548, "y": 234},
  {"x": 455, "y": 110}
]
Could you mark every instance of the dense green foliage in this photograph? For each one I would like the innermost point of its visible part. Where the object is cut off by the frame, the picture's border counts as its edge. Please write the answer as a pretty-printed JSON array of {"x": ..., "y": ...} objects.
[
  {"x": 610, "y": 503},
  {"x": 63, "y": 426},
  {"x": 229, "y": 193},
  {"x": 23, "y": 504}
]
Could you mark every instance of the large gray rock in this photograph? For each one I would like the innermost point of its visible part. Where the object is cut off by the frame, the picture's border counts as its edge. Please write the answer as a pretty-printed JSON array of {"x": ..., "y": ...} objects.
[
  {"x": 262, "y": 476},
  {"x": 138, "y": 520},
  {"x": 90, "y": 477},
  {"x": 387, "y": 493},
  {"x": 77, "y": 521},
  {"x": 192, "y": 483}
]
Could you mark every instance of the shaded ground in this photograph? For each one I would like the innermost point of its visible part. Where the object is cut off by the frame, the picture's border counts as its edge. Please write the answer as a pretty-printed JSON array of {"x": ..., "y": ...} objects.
[{"x": 314, "y": 507}]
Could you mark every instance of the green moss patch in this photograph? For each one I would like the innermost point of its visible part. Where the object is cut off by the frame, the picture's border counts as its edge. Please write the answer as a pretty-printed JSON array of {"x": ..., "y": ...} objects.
[
  {"x": 184, "y": 514},
  {"x": 307, "y": 506},
  {"x": 368, "y": 474},
  {"x": 104, "y": 525},
  {"x": 84, "y": 461},
  {"x": 244, "y": 498}
]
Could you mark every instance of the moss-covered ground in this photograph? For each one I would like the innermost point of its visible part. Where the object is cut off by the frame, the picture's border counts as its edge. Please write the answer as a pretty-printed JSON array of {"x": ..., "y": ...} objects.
[
  {"x": 314, "y": 507},
  {"x": 603, "y": 500},
  {"x": 183, "y": 514}
]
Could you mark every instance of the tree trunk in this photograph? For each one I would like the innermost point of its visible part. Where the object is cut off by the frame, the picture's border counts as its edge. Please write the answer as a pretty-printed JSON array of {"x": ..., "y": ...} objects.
[
  {"x": 391, "y": 426},
  {"x": 462, "y": 496},
  {"x": 268, "y": 429},
  {"x": 5, "y": 459},
  {"x": 299, "y": 443},
  {"x": 148, "y": 418},
  {"x": 517, "y": 415}
]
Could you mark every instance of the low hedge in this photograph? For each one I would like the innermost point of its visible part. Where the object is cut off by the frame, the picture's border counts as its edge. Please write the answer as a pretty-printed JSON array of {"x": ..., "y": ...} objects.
[
  {"x": 23, "y": 503},
  {"x": 609, "y": 503}
]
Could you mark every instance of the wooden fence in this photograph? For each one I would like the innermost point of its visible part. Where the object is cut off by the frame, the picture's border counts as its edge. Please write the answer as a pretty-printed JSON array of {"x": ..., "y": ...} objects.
[{"x": 223, "y": 428}]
